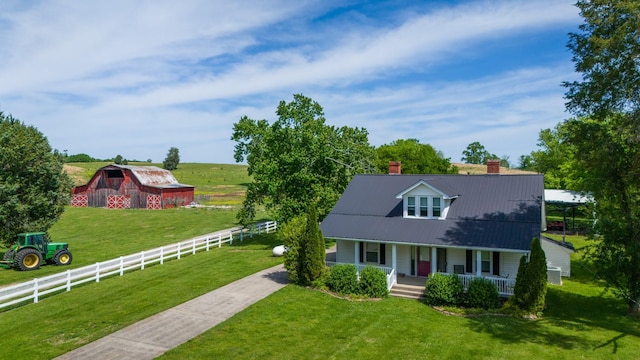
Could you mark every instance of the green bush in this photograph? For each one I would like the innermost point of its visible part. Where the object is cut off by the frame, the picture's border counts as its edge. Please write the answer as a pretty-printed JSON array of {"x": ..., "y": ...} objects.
[
  {"x": 373, "y": 282},
  {"x": 530, "y": 290},
  {"x": 442, "y": 289},
  {"x": 482, "y": 293},
  {"x": 343, "y": 279}
]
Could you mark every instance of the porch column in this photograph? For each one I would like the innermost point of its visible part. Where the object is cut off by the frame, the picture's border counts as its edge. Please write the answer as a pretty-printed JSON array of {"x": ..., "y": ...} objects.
[
  {"x": 393, "y": 257},
  {"x": 434, "y": 259},
  {"x": 356, "y": 257},
  {"x": 478, "y": 263}
]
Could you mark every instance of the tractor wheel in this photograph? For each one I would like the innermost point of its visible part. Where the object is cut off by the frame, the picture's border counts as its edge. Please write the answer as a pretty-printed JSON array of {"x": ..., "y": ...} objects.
[
  {"x": 62, "y": 257},
  {"x": 8, "y": 255},
  {"x": 28, "y": 259}
]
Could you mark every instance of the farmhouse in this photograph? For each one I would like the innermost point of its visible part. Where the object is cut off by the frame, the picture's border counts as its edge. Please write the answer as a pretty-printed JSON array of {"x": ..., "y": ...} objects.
[
  {"x": 123, "y": 186},
  {"x": 414, "y": 225}
]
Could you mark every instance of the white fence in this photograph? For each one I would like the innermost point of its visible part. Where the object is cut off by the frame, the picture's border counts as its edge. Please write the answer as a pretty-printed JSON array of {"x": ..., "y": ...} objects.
[
  {"x": 64, "y": 281},
  {"x": 389, "y": 272},
  {"x": 504, "y": 285}
]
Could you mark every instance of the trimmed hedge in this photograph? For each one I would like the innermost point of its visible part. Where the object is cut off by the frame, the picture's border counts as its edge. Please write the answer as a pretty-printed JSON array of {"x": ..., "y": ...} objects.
[
  {"x": 482, "y": 293},
  {"x": 373, "y": 282},
  {"x": 343, "y": 279},
  {"x": 443, "y": 289}
]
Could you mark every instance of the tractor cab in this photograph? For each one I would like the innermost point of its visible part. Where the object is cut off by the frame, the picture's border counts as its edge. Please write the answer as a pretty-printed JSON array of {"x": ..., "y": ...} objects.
[{"x": 31, "y": 249}]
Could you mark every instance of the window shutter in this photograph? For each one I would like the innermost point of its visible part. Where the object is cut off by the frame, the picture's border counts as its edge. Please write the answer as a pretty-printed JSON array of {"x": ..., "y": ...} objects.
[
  {"x": 469, "y": 261},
  {"x": 361, "y": 252},
  {"x": 382, "y": 254},
  {"x": 496, "y": 263}
]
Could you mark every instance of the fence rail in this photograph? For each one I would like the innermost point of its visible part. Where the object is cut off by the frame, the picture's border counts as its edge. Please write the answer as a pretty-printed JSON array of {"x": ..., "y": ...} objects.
[{"x": 64, "y": 281}]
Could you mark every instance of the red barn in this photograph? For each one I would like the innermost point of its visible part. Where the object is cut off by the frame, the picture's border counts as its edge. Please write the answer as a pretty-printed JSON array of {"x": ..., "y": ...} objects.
[{"x": 124, "y": 186}]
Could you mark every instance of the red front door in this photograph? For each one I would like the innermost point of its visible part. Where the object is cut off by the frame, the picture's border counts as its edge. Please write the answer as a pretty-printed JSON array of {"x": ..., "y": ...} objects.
[{"x": 424, "y": 265}]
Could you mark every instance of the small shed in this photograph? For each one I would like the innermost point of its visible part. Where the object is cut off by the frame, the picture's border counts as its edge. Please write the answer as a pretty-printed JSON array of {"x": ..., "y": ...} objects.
[
  {"x": 558, "y": 254},
  {"x": 124, "y": 186}
]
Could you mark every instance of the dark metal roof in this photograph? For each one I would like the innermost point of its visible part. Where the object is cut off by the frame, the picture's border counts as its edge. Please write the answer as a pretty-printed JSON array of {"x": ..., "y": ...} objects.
[
  {"x": 488, "y": 211},
  {"x": 152, "y": 176}
]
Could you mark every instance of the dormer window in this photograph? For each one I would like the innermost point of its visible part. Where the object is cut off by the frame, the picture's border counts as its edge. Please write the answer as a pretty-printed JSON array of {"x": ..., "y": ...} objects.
[
  {"x": 423, "y": 201},
  {"x": 430, "y": 207},
  {"x": 437, "y": 209}
]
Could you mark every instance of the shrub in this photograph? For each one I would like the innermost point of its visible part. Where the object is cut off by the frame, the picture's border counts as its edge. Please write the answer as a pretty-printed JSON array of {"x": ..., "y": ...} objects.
[
  {"x": 373, "y": 282},
  {"x": 442, "y": 289},
  {"x": 482, "y": 293},
  {"x": 343, "y": 279},
  {"x": 531, "y": 284}
]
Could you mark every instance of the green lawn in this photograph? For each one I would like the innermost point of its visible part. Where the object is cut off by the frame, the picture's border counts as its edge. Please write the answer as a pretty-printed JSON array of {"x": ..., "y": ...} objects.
[
  {"x": 63, "y": 322},
  {"x": 581, "y": 322},
  {"x": 98, "y": 234}
]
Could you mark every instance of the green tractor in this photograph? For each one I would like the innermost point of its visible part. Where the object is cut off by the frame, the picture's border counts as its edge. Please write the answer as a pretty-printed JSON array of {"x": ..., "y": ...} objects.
[{"x": 33, "y": 248}]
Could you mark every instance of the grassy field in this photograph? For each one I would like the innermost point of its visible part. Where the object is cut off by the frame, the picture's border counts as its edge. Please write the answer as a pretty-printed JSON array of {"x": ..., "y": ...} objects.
[
  {"x": 581, "y": 322},
  {"x": 63, "y": 322},
  {"x": 99, "y": 234}
]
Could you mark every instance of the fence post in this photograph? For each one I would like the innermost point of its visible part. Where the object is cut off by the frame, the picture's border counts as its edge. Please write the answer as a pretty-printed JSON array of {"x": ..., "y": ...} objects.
[
  {"x": 178, "y": 257},
  {"x": 121, "y": 265},
  {"x": 207, "y": 243},
  {"x": 251, "y": 231},
  {"x": 241, "y": 237},
  {"x": 97, "y": 272},
  {"x": 231, "y": 237},
  {"x": 142, "y": 260},
  {"x": 219, "y": 239},
  {"x": 193, "y": 249},
  {"x": 68, "y": 280},
  {"x": 35, "y": 290},
  {"x": 162, "y": 255}
]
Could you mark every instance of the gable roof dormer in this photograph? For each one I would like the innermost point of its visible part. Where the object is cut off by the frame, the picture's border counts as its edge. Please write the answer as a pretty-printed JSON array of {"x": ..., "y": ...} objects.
[{"x": 447, "y": 194}]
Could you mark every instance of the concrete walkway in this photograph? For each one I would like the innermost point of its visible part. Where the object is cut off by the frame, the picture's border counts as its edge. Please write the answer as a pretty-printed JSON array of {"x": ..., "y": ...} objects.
[{"x": 154, "y": 336}]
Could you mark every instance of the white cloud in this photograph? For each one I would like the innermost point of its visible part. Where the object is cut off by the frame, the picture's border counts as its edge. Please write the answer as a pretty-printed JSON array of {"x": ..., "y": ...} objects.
[{"x": 139, "y": 77}]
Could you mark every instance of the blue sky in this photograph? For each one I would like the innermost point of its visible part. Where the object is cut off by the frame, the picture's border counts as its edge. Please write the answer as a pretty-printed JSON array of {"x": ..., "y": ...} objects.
[{"x": 138, "y": 77}]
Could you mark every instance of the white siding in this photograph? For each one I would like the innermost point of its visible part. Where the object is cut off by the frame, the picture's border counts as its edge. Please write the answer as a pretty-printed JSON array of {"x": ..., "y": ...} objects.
[
  {"x": 456, "y": 257},
  {"x": 557, "y": 255},
  {"x": 345, "y": 251},
  {"x": 403, "y": 260},
  {"x": 510, "y": 264}
]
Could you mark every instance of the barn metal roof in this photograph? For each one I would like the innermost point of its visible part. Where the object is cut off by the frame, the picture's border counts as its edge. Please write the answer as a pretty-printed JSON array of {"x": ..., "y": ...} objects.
[
  {"x": 152, "y": 176},
  {"x": 488, "y": 211}
]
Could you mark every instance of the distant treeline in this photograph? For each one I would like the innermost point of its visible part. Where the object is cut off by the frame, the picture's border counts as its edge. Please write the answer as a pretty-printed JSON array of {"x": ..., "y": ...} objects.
[{"x": 87, "y": 158}]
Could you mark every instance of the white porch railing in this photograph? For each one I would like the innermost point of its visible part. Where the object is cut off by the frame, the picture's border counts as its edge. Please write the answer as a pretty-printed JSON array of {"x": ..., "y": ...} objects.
[
  {"x": 33, "y": 290},
  {"x": 504, "y": 285},
  {"x": 389, "y": 272}
]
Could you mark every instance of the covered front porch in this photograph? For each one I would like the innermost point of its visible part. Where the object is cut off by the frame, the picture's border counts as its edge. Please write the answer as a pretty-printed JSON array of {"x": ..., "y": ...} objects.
[{"x": 412, "y": 264}]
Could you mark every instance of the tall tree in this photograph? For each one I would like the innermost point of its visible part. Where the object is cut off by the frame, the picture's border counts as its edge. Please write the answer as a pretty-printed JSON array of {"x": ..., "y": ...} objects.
[
  {"x": 475, "y": 153},
  {"x": 298, "y": 161},
  {"x": 34, "y": 188},
  {"x": 311, "y": 251},
  {"x": 606, "y": 134},
  {"x": 416, "y": 158},
  {"x": 172, "y": 160}
]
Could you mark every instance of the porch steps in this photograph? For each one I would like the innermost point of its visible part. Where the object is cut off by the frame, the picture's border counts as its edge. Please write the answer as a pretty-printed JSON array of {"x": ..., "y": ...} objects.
[{"x": 408, "y": 291}]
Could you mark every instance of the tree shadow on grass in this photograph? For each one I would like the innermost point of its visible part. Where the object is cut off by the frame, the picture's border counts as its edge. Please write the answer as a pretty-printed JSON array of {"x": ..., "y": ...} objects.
[{"x": 571, "y": 321}]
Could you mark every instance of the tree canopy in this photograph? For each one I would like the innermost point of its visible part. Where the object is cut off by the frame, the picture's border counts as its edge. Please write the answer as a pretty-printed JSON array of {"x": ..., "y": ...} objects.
[
  {"x": 298, "y": 161},
  {"x": 606, "y": 135},
  {"x": 416, "y": 158},
  {"x": 34, "y": 188},
  {"x": 172, "y": 160},
  {"x": 475, "y": 153}
]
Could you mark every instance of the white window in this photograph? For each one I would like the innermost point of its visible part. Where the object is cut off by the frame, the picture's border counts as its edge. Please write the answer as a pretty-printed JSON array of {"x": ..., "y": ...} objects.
[
  {"x": 486, "y": 261},
  {"x": 371, "y": 253},
  {"x": 411, "y": 206},
  {"x": 424, "y": 207},
  {"x": 436, "y": 207},
  {"x": 429, "y": 207}
]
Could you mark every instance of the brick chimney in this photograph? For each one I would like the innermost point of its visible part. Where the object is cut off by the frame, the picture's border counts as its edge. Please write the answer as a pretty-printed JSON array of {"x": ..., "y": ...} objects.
[
  {"x": 493, "y": 166},
  {"x": 394, "y": 167}
]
